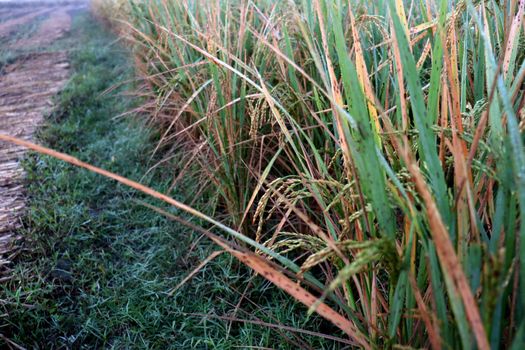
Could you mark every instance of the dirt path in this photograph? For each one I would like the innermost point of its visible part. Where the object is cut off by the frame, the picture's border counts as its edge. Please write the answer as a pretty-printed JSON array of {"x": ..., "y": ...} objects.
[{"x": 26, "y": 91}]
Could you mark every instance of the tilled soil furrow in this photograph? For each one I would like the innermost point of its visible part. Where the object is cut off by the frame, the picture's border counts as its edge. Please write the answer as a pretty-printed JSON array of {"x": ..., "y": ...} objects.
[
  {"x": 26, "y": 96},
  {"x": 10, "y": 112}
]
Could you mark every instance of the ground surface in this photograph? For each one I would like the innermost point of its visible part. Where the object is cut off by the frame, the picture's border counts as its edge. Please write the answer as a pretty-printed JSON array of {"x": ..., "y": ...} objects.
[{"x": 26, "y": 88}]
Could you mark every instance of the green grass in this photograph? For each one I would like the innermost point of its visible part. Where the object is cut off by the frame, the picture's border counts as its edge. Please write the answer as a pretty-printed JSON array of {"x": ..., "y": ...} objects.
[{"x": 97, "y": 266}]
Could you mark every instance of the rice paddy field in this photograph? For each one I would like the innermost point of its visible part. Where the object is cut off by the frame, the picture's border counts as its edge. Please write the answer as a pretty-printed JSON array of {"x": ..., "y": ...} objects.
[{"x": 317, "y": 174}]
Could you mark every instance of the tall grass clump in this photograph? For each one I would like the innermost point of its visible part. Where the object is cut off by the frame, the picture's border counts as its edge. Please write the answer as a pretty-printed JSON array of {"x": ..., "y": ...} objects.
[{"x": 371, "y": 152}]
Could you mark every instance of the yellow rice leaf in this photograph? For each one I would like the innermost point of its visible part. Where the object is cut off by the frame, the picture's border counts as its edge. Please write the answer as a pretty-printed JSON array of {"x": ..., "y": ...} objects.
[{"x": 362, "y": 74}]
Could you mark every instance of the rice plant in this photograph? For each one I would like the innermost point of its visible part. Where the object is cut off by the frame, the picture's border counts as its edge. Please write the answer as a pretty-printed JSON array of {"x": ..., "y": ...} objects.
[{"x": 367, "y": 157}]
